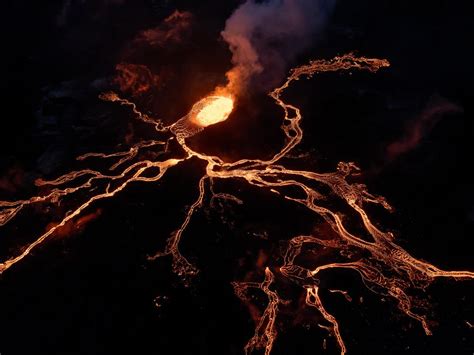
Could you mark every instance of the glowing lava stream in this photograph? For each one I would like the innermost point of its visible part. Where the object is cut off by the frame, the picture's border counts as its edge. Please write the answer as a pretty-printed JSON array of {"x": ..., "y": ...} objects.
[{"x": 386, "y": 268}]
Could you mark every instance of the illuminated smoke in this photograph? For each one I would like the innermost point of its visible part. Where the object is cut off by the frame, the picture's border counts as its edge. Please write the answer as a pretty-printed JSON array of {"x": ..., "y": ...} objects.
[
  {"x": 75, "y": 226},
  {"x": 135, "y": 79},
  {"x": 172, "y": 30},
  {"x": 265, "y": 37},
  {"x": 421, "y": 126}
]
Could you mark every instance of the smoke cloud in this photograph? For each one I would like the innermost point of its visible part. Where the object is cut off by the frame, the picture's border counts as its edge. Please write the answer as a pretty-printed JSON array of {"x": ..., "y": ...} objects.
[
  {"x": 135, "y": 79},
  {"x": 420, "y": 127},
  {"x": 266, "y": 36},
  {"x": 172, "y": 30},
  {"x": 139, "y": 80}
]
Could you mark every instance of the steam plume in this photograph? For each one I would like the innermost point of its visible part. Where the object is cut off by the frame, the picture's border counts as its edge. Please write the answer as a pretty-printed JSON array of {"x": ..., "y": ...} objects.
[{"x": 266, "y": 36}]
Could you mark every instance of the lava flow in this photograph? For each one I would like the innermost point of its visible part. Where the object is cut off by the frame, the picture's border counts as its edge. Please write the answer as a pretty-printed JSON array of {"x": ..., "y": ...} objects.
[{"x": 383, "y": 266}]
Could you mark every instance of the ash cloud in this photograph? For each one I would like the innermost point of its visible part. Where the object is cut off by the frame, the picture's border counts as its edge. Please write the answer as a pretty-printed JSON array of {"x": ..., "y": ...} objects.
[{"x": 266, "y": 36}]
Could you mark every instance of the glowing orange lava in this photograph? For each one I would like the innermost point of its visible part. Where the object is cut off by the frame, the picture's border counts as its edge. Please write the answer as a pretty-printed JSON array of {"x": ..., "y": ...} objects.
[
  {"x": 383, "y": 266},
  {"x": 212, "y": 110}
]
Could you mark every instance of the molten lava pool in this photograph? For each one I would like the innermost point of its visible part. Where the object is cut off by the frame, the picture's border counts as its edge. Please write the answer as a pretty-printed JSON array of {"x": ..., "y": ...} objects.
[{"x": 212, "y": 110}]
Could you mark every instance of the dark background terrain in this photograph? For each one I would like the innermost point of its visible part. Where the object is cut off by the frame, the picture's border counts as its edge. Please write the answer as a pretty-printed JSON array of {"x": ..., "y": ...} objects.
[{"x": 94, "y": 292}]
